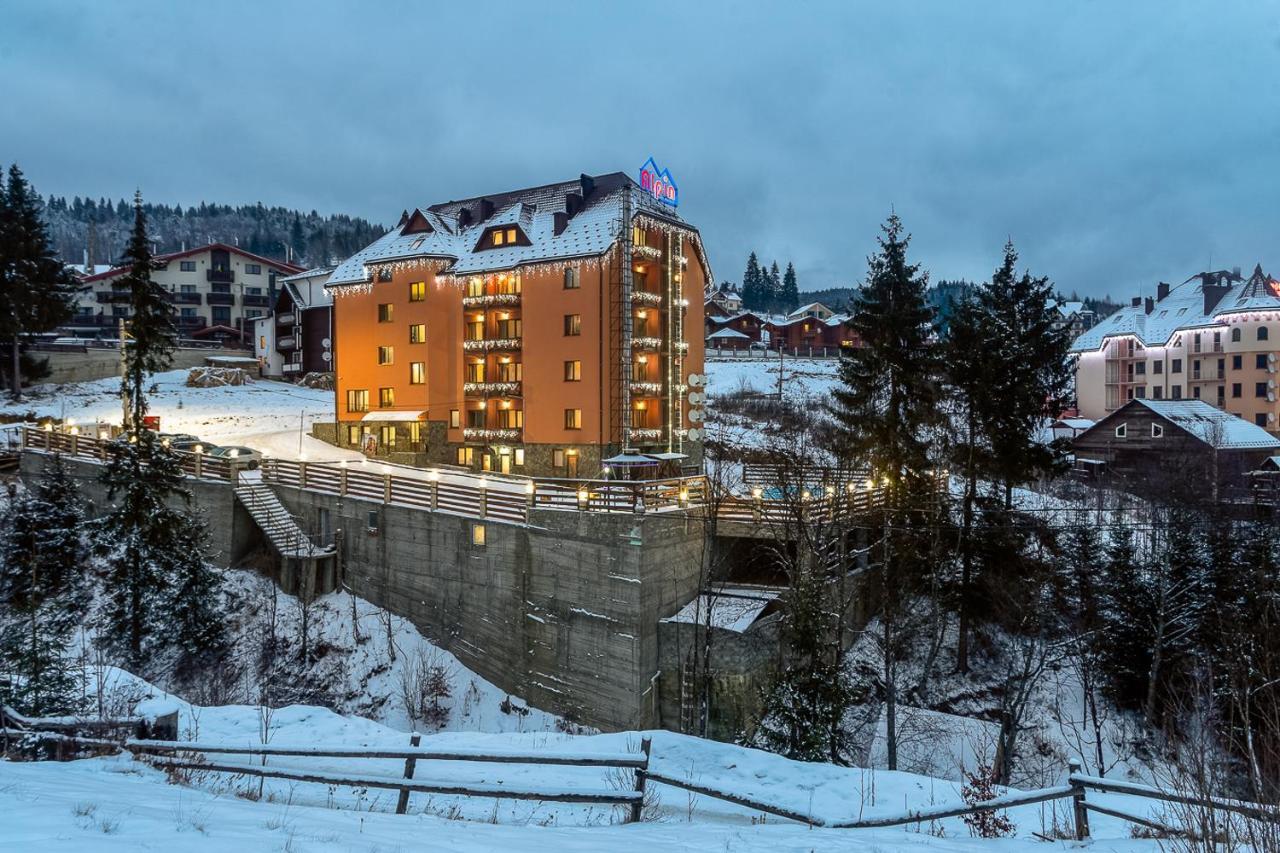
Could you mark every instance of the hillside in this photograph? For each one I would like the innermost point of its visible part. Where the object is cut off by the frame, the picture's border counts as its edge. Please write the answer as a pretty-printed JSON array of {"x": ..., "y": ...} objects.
[{"x": 102, "y": 227}]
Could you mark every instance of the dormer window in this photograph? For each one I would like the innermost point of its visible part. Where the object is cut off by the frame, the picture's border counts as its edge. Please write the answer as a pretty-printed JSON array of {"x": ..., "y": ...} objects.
[{"x": 501, "y": 236}]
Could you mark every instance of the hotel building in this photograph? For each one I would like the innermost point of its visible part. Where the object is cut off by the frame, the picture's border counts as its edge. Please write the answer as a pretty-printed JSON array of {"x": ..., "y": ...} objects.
[
  {"x": 538, "y": 331},
  {"x": 1213, "y": 338},
  {"x": 217, "y": 292}
]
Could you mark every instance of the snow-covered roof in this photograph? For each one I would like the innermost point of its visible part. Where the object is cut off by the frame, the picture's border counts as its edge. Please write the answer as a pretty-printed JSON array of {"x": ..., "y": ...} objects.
[
  {"x": 1218, "y": 429},
  {"x": 1183, "y": 308},
  {"x": 733, "y": 608},
  {"x": 728, "y": 333},
  {"x": 1074, "y": 423},
  {"x": 311, "y": 273},
  {"x": 308, "y": 289},
  {"x": 805, "y": 309},
  {"x": 453, "y": 229}
]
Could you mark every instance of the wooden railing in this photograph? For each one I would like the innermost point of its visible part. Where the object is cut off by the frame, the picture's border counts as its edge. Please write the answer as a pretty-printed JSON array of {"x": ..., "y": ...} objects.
[
  {"x": 193, "y": 756},
  {"x": 69, "y": 444}
]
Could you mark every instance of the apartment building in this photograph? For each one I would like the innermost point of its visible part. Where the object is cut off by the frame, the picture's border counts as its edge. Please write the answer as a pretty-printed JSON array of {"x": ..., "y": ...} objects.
[
  {"x": 217, "y": 292},
  {"x": 537, "y": 331},
  {"x": 296, "y": 338},
  {"x": 1214, "y": 338}
]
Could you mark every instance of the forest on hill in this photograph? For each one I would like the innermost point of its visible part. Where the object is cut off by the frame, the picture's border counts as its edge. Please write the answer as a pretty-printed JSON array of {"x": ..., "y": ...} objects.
[{"x": 101, "y": 228}]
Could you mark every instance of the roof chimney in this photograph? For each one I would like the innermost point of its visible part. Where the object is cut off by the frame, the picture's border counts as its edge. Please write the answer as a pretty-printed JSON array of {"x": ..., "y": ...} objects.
[
  {"x": 486, "y": 209},
  {"x": 1137, "y": 300},
  {"x": 464, "y": 217},
  {"x": 1162, "y": 290},
  {"x": 1236, "y": 272},
  {"x": 1212, "y": 294},
  {"x": 572, "y": 204},
  {"x": 1150, "y": 304},
  {"x": 588, "y": 185},
  {"x": 561, "y": 222}
]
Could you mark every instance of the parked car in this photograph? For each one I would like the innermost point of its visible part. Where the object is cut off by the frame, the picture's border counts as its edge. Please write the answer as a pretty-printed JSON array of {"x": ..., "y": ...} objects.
[
  {"x": 190, "y": 443},
  {"x": 176, "y": 438},
  {"x": 236, "y": 453}
]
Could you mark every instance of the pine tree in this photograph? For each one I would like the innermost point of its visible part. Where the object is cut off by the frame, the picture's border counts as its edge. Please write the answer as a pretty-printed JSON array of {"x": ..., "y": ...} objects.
[
  {"x": 790, "y": 289},
  {"x": 1127, "y": 614},
  {"x": 1036, "y": 373},
  {"x": 36, "y": 291},
  {"x": 151, "y": 327},
  {"x": 43, "y": 591},
  {"x": 774, "y": 285},
  {"x": 885, "y": 410},
  {"x": 752, "y": 286}
]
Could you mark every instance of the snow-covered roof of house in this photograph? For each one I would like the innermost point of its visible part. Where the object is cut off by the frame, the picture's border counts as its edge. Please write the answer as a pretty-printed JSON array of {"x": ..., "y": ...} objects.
[
  {"x": 1074, "y": 423},
  {"x": 1218, "y": 429},
  {"x": 728, "y": 333},
  {"x": 451, "y": 231},
  {"x": 1184, "y": 308},
  {"x": 311, "y": 273},
  {"x": 805, "y": 309}
]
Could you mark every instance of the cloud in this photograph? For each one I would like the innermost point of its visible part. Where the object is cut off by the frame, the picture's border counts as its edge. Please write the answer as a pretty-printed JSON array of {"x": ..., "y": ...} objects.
[{"x": 1117, "y": 144}]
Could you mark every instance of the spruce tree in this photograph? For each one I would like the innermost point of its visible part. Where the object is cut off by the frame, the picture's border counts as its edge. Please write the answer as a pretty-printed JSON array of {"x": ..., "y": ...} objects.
[
  {"x": 151, "y": 330},
  {"x": 1036, "y": 371},
  {"x": 752, "y": 286},
  {"x": 790, "y": 289},
  {"x": 1126, "y": 615},
  {"x": 37, "y": 293},
  {"x": 43, "y": 591},
  {"x": 885, "y": 411},
  {"x": 774, "y": 286}
]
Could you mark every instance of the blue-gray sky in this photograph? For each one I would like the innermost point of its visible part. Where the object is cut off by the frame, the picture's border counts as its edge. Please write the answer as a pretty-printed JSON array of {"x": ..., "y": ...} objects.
[{"x": 1116, "y": 143}]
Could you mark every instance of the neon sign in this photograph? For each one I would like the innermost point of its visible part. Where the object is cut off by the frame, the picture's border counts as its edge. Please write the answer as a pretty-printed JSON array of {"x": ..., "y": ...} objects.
[{"x": 658, "y": 183}]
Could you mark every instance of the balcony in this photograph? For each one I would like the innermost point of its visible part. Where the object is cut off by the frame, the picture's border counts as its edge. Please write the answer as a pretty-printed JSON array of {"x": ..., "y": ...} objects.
[
  {"x": 1208, "y": 375},
  {"x": 220, "y": 298},
  {"x": 492, "y": 345},
  {"x": 488, "y": 434},
  {"x": 646, "y": 342},
  {"x": 113, "y": 295},
  {"x": 645, "y": 298},
  {"x": 220, "y": 276},
  {"x": 491, "y": 389},
  {"x": 255, "y": 299},
  {"x": 184, "y": 298},
  {"x": 646, "y": 389},
  {"x": 644, "y": 434},
  {"x": 188, "y": 323},
  {"x": 491, "y": 300},
  {"x": 286, "y": 319},
  {"x": 289, "y": 343}
]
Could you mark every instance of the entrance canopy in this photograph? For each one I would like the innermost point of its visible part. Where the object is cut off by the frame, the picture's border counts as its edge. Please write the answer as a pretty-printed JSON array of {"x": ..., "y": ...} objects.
[
  {"x": 394, "y": 416},
  {"x": 630, "y": 460}
]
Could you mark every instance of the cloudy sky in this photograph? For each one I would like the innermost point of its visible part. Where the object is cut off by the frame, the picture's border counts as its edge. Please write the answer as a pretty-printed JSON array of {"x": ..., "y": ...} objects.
[{"x": 1117, "y": 143}]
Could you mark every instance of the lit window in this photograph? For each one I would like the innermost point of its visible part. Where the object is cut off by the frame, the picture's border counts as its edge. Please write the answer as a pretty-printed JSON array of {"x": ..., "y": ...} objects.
[
  {"x": 415, "y": 431},
  {"x": 417, "y": 291},
  {"x": 475, "y": 371},
  {"x": 262, "y": 342},
  {"x": 465, "y": 455},
  {"x": 358, "y": 400},
  {"x": 475, "y": 287},
  {"x": 387, "y": 435},
  {"x": 571, "y": 278},
  {"x": 638, "y": 235},
  {"x": 572, "y": 325},
  {"x": 386, "y": 355},
  {"x": 417, "y": 372},
  {"x": 418, "y": 333},
  {"x": 385, "y": 312},
  {"x": 511, "y": 235},
  {"x": 557, "y": 458},
  {"x": 477, "y": 534},
  {"x": 573, "y": 418},
  {"x": 353, "y": 436},
  {"x": 573, "y": 371},
  {"x": 386, "y": 398},
  {"x": 519, "y": 455},
  {"x": 454, "y": 420},
  {"x": 499, "y": 237}
]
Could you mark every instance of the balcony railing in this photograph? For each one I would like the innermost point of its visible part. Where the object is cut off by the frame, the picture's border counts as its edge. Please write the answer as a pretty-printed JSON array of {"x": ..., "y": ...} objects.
[
  {"x": 113, "y": 295},
  {"x": 646, "y": 342},
  {"x": 491, "y": 389},
  {"x": 488, "y": 434},
  {"x": 285, "y": 319},
  {"x": 189, "y": 322},
  {"x": 184, "y": 298},
  {"x": 292, "y": 367},
  {"x": 646, "y": 389},
  {"x": 1208, "y": 375},
  {"x": 220, "y": 298},
  {"x": 645, "y": 298},
  {"x": 220, "y": 276},
  {"x": 261, "y": 300},
  {"x": 487, "y": 300},
  {"x": 491, "y": 344},
  {"x": 287, "y": 343},
  {"x": 646, "y": 434}
]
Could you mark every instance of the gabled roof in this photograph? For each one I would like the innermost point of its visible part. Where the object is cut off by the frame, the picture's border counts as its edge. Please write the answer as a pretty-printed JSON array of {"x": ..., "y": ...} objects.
[
  {"x": 589, "y": 231},
  {"x": 728, "y": 333},
  {"x": 806, "y": 308},
  {"x": 1184, "y": 308},
  {"x": 1216, "y": 428},
  {"x": 161, "y": 260}
]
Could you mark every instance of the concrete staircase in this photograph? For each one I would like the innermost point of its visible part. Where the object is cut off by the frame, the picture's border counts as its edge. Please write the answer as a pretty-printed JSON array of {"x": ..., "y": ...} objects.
[{"x": 280, "y": 528}]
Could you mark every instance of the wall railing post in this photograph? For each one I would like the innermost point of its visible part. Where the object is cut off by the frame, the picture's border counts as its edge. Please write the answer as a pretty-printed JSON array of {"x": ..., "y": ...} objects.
[
  {"x": 402, "y": 805},
  {"x": 1079, "y": 811},
  {"x": 302, "y": 475},
  {"x": 386, "y": 488},
  {"x": 642, "y": 773}
]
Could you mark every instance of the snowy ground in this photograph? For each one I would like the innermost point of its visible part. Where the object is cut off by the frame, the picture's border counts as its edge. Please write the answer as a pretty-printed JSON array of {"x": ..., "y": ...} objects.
[{"x": 119, "y": 803}]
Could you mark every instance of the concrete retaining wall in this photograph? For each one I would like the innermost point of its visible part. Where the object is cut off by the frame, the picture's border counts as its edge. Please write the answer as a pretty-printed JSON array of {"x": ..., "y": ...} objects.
[{"x": 71, "y": 366}]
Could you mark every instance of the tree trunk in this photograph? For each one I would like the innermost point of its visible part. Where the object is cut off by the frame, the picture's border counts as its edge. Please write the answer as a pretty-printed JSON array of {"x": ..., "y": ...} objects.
[{"x": 17, "y": 370}]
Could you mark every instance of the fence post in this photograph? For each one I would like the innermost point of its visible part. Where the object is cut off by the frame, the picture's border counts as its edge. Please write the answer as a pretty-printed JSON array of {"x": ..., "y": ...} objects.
[
  {"x": 199, "y": 456},
  {"x": 302, "y": 475},
  {"x": 1077, "y": 801},
  {"x": 75, "y": 444},
  {"x": 642, "y": 773},
  {"x": 484, "y": 500},
  {"x": 24, "y": 437},
  {"x": 386, "y": 488},
  {"x": 402, "y": 805},
  {"x": 342, "y": 481}
]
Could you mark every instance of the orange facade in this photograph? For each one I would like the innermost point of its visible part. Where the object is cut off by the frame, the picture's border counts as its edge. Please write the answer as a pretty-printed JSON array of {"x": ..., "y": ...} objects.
[{"x": 520, "y": 370}]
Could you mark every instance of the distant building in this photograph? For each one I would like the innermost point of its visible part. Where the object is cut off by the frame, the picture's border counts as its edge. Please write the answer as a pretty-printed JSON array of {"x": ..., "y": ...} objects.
[
  {"x": 1207, "y": 339},
  {"x": 1074, "y": 316},
  {"x": 813, "y": 311},
  {"x": 296, "y": 338},
  {"x": 1174, "y": 447},
  {"x": 723, "y": 301},
  {"x": 217, "y": 292}
]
